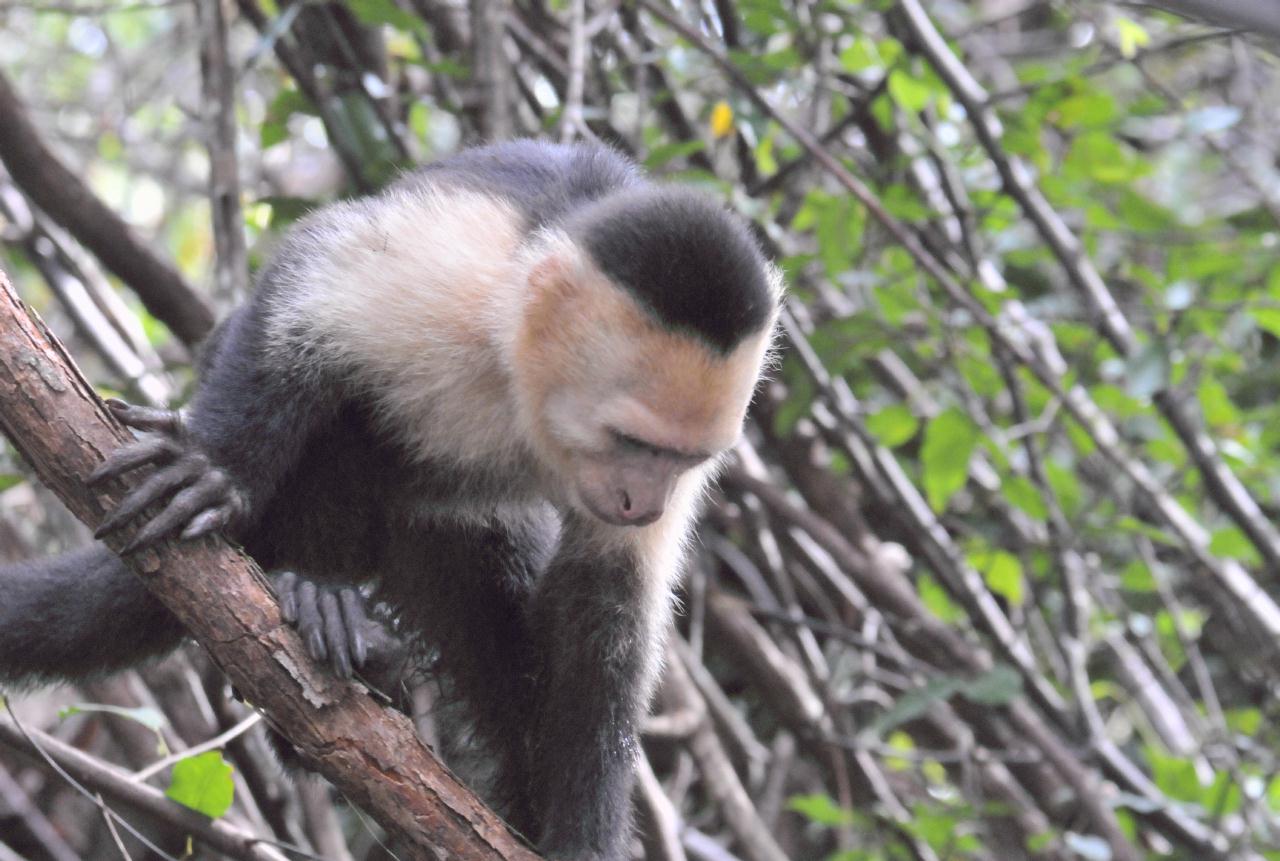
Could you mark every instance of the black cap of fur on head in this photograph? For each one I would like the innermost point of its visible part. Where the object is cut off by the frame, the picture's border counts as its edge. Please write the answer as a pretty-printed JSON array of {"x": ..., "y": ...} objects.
[{"x": 684, "y": 257}]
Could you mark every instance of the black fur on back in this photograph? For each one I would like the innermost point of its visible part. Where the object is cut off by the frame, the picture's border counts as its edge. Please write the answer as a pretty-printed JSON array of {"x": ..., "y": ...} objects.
[
  {"x": 544, "y": 181},
  {"x": 684, "y": 257}
]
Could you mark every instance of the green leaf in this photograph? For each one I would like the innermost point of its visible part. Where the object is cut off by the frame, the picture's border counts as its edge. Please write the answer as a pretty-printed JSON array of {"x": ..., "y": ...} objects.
[
  {"x": 387, "y": 12},
  {"x": 272, "y": 133},
  {"x": 148, "y": 717},
  {"x": 1024, "y": 495},
  {"x": 860, "y": 55},
  {"x": 1132, "y": 36},
  {"x": 1065, "y": 486},
  {"x": 1088, "y": 108},
  {"x": 1137, "y": 577},
  {"x": 909, "y": 93},
  {"x": 893, "y": 425},
  {"x": 998, "y": 686},
  {"x": 1244, "y": 721},
  {"x": 913, "y": 704},
  {"x": 936, "y": 600},
  {"x": 1215, "y": 403},
  {"x": 1231, "y": 543},
  {"x": 821, "y": 809},
  {"x": 8, "y": 480},
  {"x": 1099, "y": 156},
  {"x": 1003, "y": 573},
  {"x": 1268, "y": 319},
  {"x": 660, "y": 155},
  {"x": 203, "y": 783},
  {"x": 1137, "y": 213},
  {"x": 1174, "y": 776},
  {"x": 903, "y": 203},
  {"x": 949, "y": 440}
]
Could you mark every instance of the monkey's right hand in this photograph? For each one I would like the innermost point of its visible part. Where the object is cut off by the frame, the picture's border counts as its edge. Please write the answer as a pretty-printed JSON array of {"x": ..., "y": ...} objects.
[{"x": 197, "y": 498}]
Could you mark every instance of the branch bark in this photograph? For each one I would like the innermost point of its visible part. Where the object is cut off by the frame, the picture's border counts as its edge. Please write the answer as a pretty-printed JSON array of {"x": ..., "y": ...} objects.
[
  {"x": 72, "y": 204},
  {"x": 370, "y": 754}
]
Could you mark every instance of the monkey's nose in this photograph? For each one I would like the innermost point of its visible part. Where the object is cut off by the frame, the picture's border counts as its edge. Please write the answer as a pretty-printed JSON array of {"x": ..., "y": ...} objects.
[{"x": 633, "y": 514}]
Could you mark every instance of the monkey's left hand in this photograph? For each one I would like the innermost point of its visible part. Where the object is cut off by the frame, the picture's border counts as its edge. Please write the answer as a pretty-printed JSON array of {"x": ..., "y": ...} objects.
[{"x": 198, "y": 498}]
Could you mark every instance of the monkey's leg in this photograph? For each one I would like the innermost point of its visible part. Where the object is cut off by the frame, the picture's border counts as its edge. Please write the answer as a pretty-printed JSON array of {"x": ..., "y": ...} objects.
[
  {"x": 472, "y": 610},
  {"x": 338, "y": 627},
  {"x": 77, "y": 615}
]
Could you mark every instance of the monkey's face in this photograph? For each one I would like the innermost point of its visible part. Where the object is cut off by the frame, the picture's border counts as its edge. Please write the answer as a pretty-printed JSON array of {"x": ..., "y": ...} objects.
[{"x": 620, "y": 408}]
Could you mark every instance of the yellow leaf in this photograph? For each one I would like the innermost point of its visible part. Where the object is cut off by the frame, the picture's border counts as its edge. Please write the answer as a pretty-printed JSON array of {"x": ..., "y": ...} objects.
[
  {"x": 1132, "y": 37},
  {"x": 721, "y": 119}
]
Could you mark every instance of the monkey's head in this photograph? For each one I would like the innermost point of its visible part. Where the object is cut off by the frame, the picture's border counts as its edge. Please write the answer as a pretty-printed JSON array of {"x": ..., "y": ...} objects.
[{"x": 647, "y": 324}]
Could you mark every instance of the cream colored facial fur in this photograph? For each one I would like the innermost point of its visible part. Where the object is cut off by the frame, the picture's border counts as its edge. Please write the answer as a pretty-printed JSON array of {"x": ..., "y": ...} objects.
[{"x": 505, "y": 352}]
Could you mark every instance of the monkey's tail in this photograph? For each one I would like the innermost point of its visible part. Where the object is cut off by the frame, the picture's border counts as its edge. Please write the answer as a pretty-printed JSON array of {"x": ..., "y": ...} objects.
[{"x": 78, "y": 615}]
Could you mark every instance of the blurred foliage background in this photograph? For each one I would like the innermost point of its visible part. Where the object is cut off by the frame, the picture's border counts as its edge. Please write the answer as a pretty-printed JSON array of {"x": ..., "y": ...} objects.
[{"x": 995, "y": 572}]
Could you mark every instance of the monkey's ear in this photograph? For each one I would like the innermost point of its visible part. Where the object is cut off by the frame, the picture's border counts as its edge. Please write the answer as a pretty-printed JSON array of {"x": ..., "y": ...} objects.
[
  {"x": 554, "y": 277},
  {"x": 553, "y": 287}
]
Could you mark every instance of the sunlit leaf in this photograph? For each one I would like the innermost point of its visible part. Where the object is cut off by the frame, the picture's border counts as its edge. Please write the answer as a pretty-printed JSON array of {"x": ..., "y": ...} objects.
[
  {"x": 949, "y": 440},
  {"x": 1003, "y": 574},
  {"x": 1132, "y": 36},
  {"x": 1024, "y": 495},
  {"x": 203, "y": 783},
  {"x": 821, "y": 809},
  {"x": 909, "y": 93},
  {"x": 893, "y": 425}
]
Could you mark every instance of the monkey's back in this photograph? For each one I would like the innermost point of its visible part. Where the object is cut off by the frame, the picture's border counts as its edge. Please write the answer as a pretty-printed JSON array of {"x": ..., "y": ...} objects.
[{"x": 545, "y": 181}]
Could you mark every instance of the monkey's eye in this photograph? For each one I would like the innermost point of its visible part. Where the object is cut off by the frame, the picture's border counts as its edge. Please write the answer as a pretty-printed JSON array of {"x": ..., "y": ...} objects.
[
  {"x": 634, "y": 444},
  {"x": 627, "y": 441}
]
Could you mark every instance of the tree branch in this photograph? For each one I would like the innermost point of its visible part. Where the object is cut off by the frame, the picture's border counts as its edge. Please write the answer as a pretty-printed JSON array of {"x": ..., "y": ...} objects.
[
  {"x": 72, "y": 204},
  {"x": 372, "y": 755}
]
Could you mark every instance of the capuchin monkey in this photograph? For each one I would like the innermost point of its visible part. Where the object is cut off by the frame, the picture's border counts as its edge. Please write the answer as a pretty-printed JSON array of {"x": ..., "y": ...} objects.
[{"x": 495, "y": 393}]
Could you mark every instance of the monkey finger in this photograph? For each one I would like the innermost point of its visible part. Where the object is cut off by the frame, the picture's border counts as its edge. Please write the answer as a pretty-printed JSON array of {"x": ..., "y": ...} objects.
[
  {"x": 356, "y": 622},
  {"x": 146, "y": 418},
  {"x": 335, "y": 635},
  {"x": 156, "y": 487},
  {"x": 179, "y": 510},
  {"x": 133, "y": 455},
  {"x": 286, "y": 583},
  {"x": 310, "y": 625},
  {"x": 209, "y": 520},
  {"x": 194, "y": 501}
]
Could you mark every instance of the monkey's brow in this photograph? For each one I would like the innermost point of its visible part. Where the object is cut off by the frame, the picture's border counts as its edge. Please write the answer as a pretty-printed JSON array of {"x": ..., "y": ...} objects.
[{"x": 659, "y": 449}]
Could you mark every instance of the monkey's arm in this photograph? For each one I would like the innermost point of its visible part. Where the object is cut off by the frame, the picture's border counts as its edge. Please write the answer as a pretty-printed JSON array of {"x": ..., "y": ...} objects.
[
  {"x": 599, "y": 618},
  {"x": 252, "y": 415}
]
